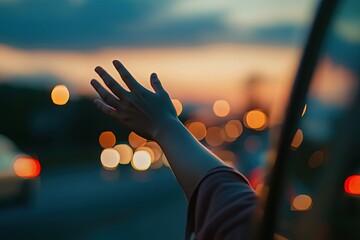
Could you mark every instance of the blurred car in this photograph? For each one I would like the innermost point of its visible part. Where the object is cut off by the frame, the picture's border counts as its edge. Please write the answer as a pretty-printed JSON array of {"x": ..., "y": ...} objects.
[{"x": 18, "y": 174}]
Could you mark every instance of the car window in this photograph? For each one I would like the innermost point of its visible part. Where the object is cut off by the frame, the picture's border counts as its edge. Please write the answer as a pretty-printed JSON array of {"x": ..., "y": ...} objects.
[{"x": 320, "y": 198}]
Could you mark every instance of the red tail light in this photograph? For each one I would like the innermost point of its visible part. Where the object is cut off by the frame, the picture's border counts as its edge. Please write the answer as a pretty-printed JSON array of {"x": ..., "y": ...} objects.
[
  {"x": 27, "y": 167},
  {"x": 352, "y": 184}
]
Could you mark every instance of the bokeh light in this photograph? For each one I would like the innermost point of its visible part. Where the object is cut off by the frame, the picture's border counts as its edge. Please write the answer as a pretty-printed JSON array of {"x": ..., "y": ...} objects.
[
  {"x": 27, "y": 167},
  {"x": 259, "y": 189},
  {"x": 297, "y": 140},
  {"x": 60, "y": 95},
  {"x": 197, "y": 129},
  {"x": 227, "y": 156},
  {"x": 252, "y": 144},
  {"x": 226, "y": 137},
  {"x": 256, "y": 120},
  {"x": 233, "y": 129},
  {"x": 178, "y": 106},
  {"x": 316, "y": 159},
  {"x": 110, "y": 158},
  {"x": 301, "y": 202},
  {"x": 107, "y": 139},
  {"x": 156, "y": 149},
  {"x": 125, "y": 152},
  {"x": 352, "y": 184},
  {"x": 157, "y": 164},
  {"x": 136, "y": 140},
  {"x": 256, "y": 177},
  {"x": 221, "y": 108},
  {"x": 214, "y": 136},
  {"x": 141, "y": 160},
  {"x": 165, "y": 161},
  {"x": 148, "y": 150},
  {"x": 304, "y": 110}
]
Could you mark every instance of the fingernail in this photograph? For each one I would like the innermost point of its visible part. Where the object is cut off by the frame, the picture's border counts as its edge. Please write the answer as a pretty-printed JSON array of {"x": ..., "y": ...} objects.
[
  {"x": 153, "y": 76},
  {"x": 97, "y": 69},
  {"x": 116, "y": 63}
]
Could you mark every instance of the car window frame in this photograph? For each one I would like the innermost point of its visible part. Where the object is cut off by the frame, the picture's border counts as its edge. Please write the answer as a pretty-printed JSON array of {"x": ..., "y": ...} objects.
[{"x": 265, "y": 224}]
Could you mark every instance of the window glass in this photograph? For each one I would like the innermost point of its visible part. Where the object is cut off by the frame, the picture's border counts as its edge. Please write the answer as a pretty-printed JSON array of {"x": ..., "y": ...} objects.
[{"x": 321, "y": 195}]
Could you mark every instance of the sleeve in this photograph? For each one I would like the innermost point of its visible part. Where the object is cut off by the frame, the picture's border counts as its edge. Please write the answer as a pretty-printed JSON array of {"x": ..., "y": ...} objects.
[{"x": 221, "y": 207}]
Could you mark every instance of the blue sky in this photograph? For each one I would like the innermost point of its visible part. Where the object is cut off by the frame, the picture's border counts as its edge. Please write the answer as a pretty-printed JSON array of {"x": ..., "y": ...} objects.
[{"x": 91, "y": 24}]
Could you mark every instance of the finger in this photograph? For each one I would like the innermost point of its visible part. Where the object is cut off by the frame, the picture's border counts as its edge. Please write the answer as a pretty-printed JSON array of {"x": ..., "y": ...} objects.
[
  {"x": 156, "y": 84},
  {"x": 106, "y": 109},
  {"x": 127, "y": 77},
  {"x": 112, "y": 84},
  {"x": 104, "y": 94}
]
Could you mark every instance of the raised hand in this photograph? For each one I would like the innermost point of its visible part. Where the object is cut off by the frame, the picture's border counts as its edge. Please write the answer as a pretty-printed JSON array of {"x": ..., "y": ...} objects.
[
  {"x": 140, "y": 110},
  {"x": 152, "y": 115}
]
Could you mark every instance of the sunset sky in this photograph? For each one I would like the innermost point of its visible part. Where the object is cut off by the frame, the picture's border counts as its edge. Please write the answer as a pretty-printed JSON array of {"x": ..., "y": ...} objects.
[{"x": 202, "y": 50}]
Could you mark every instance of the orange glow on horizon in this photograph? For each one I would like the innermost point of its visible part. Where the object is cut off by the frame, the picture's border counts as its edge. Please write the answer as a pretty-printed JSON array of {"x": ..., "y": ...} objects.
[
  {"x": 27, "y": 167},
  {"x": 238, "y": 61}
]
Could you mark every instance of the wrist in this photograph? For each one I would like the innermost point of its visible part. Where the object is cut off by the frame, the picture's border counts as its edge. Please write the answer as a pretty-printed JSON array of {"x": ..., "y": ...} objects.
[{"x": 166, "y": 129}]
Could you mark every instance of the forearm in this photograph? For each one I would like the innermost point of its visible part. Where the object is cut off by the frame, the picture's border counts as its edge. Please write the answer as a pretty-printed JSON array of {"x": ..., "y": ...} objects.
[
  {"x": 153, "y": 116},
  {"x": 189, "y": 160}
]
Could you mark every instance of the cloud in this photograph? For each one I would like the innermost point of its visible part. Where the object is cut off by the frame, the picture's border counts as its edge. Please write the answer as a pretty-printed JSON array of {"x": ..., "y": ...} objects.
[
  {"x": 244, "y": 13},
  {"x": 91, "y": 24}
]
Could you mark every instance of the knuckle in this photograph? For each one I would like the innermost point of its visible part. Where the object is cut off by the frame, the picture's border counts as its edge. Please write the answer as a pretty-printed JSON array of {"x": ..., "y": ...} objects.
[
  {"x": 106, "y": 98},
  {"x": 110, "y": 83},
  {"x": 141, "y": 93},
  {"x": 126, "y": 75},
  {"x": 128, "y": 104},
  {"x": 128, "y": 98}
]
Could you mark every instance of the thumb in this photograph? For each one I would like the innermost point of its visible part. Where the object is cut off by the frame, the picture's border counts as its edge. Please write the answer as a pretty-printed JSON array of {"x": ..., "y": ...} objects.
[{"x": 156, "y": 84}]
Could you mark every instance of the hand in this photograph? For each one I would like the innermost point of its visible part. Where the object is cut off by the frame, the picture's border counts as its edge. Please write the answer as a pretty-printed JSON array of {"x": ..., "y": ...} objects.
[{"x": 140, "y": 110}]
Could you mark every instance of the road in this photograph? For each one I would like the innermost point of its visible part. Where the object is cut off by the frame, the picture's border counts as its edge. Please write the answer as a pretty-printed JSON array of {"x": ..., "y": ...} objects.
[{"x": 93, "y": 203}]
